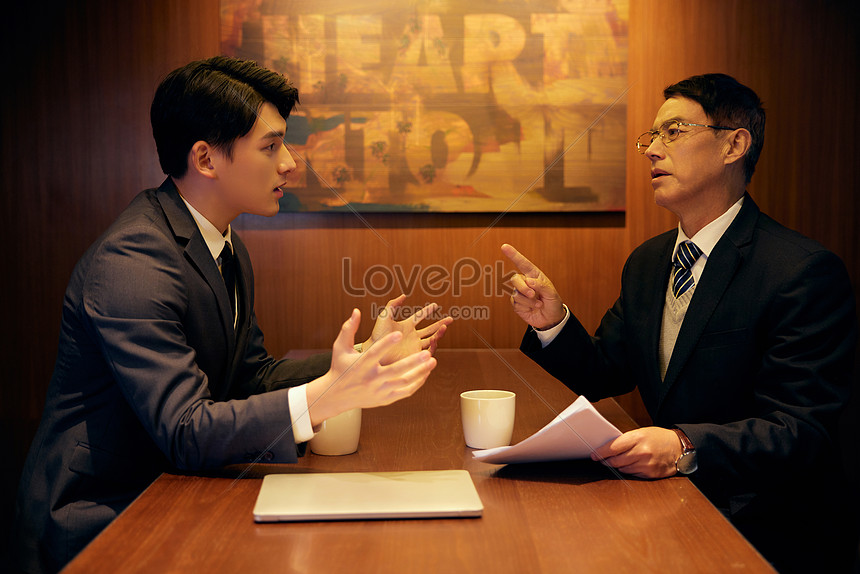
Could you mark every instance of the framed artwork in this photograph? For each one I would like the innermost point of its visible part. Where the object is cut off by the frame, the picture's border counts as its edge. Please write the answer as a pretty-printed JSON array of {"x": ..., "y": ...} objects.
[{"x": 444, "y": 105}]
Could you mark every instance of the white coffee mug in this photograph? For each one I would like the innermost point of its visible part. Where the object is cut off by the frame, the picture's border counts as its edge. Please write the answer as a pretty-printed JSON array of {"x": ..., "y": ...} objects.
[
  {"x": 338, "y": 435},
  {"x": 488, "y": 417}
]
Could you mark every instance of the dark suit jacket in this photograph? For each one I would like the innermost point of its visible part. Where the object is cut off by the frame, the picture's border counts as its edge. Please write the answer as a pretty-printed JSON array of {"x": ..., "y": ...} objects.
[
  {"x": 150, "y": 376},
  {"x": 761, "y": 368}
]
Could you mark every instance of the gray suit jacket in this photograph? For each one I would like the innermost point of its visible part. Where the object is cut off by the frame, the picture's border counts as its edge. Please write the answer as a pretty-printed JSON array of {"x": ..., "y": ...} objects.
[{"x": 150, "y": 376}]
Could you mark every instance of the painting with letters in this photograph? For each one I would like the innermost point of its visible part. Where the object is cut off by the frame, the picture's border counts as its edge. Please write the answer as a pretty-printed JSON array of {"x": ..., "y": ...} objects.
[{"x": 445, "y": 105}]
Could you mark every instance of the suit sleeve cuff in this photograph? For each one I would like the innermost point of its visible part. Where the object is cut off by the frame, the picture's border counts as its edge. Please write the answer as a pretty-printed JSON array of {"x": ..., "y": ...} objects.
[
  {"x": 546, "y": 337},
  {"x": 299, "y": 416}
]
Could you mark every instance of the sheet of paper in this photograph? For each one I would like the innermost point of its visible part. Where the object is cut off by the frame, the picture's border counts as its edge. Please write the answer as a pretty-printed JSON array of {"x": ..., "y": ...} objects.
[{"x": 574, "y": 433}]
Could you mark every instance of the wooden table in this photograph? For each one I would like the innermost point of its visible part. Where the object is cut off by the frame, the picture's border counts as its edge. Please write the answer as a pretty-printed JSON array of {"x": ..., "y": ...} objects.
[{"x": 572, "y": 516}]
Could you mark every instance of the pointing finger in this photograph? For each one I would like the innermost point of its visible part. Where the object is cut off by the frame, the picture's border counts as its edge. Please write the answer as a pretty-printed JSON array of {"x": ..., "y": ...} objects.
[{"x": 525, "y": 266}]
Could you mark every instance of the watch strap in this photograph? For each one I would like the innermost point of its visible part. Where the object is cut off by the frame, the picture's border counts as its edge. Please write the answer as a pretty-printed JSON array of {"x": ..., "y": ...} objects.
[{"x": 686, "y": 444}]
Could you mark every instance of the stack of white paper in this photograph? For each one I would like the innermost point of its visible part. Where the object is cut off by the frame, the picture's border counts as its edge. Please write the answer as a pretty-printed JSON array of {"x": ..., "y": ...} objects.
[{"x": 572, "y": 434}]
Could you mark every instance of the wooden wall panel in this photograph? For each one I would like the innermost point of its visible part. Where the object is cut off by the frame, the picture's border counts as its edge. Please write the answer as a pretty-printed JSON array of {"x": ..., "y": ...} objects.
[
  {"x": 76, "y": 146},
  {"x": 303, "y": 292},
  {"x": 801, "y": 58}
]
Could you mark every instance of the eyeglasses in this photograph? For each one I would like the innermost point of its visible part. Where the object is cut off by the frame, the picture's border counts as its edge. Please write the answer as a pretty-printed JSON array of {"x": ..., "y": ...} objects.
[{"x": 668, "y": 132}]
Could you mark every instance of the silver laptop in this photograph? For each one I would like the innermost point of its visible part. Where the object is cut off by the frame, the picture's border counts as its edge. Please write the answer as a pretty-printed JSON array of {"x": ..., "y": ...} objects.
[{"x": 367, "y": 495}]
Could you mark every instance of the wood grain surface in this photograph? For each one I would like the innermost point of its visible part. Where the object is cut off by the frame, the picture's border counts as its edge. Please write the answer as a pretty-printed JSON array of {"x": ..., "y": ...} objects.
[{"x": 570, "y": 516}]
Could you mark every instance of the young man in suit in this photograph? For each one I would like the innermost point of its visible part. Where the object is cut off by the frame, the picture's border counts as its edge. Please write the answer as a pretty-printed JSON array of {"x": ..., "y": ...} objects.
[
  {"x": 161, "y": 364},
  {"x": 738, "y": 332}
]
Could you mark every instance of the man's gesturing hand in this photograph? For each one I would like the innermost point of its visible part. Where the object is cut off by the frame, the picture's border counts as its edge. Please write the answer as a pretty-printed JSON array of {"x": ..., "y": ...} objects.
[
  {"x": 362, "y": 379},
  {"x": 414, "y": 339},
  {"x": 535, "y": 298}
]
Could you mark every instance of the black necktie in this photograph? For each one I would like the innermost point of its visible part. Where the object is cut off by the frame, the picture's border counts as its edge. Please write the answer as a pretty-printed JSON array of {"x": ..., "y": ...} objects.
[
  {"x": 682, "y": 277},
  {"x": 228, "y": 272}
]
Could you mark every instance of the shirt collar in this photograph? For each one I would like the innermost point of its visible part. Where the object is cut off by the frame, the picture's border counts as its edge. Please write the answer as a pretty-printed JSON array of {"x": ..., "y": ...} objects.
[
  {"x": 708, "y": 236},
  {"x": 213, "y": 238}
]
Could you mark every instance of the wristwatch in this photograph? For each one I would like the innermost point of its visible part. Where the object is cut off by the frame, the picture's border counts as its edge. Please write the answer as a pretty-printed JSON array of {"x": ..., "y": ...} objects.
[{"x": 686, "y": 463}]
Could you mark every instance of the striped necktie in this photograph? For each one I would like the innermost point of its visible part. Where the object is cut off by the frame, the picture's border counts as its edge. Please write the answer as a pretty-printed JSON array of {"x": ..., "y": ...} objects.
[{"x": 682, "y": 277}]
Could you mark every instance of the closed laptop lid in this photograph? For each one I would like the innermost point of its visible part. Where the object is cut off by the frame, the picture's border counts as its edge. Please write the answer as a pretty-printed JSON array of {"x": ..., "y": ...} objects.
[{"x": 367, "y": 495}]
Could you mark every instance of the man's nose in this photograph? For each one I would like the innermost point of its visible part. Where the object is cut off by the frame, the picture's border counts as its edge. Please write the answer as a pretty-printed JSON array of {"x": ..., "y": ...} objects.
[
  {"x": 287, "y": 163},
  {"x": 656, "y": 150}
]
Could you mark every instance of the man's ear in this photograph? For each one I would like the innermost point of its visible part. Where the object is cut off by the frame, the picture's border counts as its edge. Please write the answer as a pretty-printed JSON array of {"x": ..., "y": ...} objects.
[
  {"x": 200, "y": 159},
  {"x": 738, "y": 145}
]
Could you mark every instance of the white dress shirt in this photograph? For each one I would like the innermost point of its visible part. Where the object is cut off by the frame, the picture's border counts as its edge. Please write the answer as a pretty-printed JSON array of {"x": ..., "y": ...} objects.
[
  {"x": 706, "y": 239},
  {"x": 298, "y": 398}
]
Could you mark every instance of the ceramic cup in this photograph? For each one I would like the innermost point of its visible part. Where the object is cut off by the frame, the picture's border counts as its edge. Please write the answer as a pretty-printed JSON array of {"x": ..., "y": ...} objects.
[
  {"x": 338, "y": 435},
  {"x": 488, "y": 417}
]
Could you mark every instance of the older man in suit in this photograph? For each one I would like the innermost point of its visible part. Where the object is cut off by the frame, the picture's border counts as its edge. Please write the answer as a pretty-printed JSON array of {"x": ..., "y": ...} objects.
[
  {"x": 738, "y": 333},
  {"x": 161, "y": 364}
]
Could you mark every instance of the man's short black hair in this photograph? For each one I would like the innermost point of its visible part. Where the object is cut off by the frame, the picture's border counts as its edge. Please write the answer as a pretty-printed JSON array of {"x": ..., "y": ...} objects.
[
  {"x": 214, "y": 100},
  {"x": 727, "y": 103}
]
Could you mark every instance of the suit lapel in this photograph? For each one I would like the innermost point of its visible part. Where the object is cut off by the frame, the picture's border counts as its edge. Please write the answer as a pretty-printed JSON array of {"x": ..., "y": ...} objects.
[
  {"x": 196, "y": 251},
  {"x": 722, "y": 265}
]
